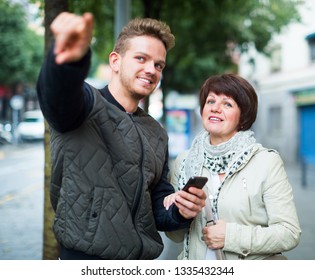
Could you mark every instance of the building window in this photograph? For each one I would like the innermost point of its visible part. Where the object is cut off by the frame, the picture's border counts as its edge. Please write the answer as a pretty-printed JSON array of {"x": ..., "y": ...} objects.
[
  {"x": 275, "y": 58},
  {"x": 312, "y": 50},
  {"x": 311, "y": 43},
  {"x": 275, "y": 119}
]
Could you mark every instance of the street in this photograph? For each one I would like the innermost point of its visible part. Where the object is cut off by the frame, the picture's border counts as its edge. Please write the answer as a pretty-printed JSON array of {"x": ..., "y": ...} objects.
[
  {"x": 21, "y": 201},
  {"x": 21, "y": 206}
]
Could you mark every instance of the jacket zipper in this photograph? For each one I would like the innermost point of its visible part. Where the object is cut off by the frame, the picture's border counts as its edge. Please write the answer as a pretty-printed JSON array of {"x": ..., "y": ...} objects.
[
  {"x": 248, "y": 197},
  {"x": 135, "y": 205}
]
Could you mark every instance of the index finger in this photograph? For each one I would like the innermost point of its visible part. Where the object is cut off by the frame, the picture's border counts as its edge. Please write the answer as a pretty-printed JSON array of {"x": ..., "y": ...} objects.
[{"x": 198, "y": 192}]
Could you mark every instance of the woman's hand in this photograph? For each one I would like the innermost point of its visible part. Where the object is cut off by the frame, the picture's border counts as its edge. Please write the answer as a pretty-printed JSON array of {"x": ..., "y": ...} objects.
[
  {"x": 190, "y": 203},
  {"x": 169, "y": 200},
  {"x": 214, "y": 235}
]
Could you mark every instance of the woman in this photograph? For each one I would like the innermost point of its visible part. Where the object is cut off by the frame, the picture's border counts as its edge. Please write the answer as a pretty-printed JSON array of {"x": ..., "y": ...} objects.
[{"x": 250, "y": 195}]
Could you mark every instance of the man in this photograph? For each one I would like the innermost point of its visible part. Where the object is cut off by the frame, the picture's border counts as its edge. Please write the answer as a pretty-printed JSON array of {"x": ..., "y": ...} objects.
[{"x": 109, "y": 158}]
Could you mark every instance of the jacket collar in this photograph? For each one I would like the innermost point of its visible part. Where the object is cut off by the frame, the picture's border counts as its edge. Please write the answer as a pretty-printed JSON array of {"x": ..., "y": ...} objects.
[{"x": 110, "y": 98}]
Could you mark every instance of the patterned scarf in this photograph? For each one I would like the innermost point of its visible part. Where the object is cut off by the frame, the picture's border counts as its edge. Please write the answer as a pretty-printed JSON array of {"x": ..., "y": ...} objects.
[
  {"x": 217, "y": 165},
  {"x": 225, "y": 158}
]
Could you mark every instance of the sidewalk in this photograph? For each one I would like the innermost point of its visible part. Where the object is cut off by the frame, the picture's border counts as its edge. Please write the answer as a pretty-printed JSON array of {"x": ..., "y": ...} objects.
[{"x": 305, "y": 204}]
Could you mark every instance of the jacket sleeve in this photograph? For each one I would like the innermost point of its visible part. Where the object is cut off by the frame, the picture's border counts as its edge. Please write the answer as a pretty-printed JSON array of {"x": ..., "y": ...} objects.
[
  {"x": 166, "y": 220},
  {"x": 282, "y": 231},
  {"x": 63, "y": 98},
  {"x": 176, "y": 235}
]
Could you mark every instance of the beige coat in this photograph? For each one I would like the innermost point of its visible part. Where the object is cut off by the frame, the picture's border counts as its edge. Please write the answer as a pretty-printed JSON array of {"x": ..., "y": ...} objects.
[{"x": 257, "y": 205}]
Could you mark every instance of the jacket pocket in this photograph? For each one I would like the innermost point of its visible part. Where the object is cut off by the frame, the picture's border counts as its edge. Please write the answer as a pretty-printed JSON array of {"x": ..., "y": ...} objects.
[{"x": 93, "y": 213}]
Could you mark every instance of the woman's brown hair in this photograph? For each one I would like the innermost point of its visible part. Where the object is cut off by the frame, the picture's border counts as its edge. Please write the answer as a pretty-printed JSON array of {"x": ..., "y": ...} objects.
[{"x": 237, "y": 88}]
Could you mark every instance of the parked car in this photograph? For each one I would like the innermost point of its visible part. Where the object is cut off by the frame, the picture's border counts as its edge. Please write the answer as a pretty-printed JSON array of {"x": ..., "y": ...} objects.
[
  {"x": 5, "y": 133},
  {"x": 32, "y": 126}
]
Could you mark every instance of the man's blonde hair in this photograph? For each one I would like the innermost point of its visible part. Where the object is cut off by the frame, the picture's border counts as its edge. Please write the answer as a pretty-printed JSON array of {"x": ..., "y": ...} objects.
[{"x": 144, "y": 27}]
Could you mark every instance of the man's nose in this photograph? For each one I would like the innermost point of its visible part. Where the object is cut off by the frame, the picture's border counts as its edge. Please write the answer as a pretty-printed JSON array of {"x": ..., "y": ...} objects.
[{"x": 150, "y": 67}]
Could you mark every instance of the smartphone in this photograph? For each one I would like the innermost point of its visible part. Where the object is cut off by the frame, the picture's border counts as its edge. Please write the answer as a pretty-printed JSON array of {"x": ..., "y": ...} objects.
[{"x": 195, "y": 181}]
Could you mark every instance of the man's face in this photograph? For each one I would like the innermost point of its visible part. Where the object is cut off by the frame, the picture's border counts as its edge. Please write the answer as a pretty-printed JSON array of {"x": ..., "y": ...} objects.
[{"x": 141, "y": 66}]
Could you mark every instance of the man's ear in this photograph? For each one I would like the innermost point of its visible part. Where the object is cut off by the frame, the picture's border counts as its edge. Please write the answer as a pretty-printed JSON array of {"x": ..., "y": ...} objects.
[{"x": 114, "y": 61}]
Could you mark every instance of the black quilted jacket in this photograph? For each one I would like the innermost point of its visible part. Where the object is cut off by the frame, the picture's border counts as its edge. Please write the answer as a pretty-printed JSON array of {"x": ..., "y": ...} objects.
[{"x": 109, "y": 169}]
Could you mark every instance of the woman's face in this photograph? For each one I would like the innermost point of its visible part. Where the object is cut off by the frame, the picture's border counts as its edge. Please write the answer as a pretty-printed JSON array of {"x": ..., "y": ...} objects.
[{"x": 220, "y": 117}]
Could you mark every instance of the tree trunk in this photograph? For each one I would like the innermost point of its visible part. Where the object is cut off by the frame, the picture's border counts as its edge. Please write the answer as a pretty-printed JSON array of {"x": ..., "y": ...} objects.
[
  {"x": 50, "y": 245},
  {"x": 152, "y": 9}
]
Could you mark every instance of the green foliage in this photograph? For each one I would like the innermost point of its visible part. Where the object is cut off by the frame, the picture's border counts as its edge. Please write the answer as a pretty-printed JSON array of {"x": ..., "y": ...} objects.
[
  {"x": 203, "y": 28},
  {"x": 103, "y": 11},
  {"x": 21, "y": 49}
]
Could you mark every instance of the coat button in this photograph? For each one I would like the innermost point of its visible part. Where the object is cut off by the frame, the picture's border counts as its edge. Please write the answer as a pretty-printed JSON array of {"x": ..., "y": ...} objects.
[{"x": 94, "y": 215}]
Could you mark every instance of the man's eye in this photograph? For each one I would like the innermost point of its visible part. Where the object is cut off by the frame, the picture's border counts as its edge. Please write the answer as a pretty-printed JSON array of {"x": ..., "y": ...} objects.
[
  {"x": 140, "y": 58},
  {"x": 159, "y": 66}
]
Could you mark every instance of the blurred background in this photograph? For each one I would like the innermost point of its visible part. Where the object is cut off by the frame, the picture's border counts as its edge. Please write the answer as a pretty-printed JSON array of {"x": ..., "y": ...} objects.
[{"x": 271, "y": 43}]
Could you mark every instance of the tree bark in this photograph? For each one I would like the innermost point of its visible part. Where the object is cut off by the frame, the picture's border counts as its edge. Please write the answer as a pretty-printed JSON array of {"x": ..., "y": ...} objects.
[
  {"x": 152, "y": 9},
  {"x": 50, "y": 245}
]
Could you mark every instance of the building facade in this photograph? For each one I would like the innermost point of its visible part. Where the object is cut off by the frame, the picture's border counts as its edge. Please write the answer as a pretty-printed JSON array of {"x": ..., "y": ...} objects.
[{"x": 285, "y": 84}]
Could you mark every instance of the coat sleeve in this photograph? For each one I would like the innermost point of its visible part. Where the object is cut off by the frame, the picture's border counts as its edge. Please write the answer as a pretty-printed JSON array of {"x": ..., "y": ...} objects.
[
  {"x": 282, "y": 231},
  {"x": 166, "y": 220},
  {"x": 63, "y": 96},
  {"x": 177, "y": 235}
]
